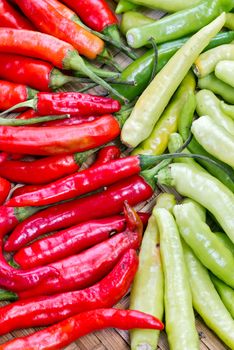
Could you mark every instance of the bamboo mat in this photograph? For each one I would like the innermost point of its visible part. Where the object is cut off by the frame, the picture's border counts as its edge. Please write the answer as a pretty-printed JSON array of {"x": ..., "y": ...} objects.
[{"x": 114, "y": 339}]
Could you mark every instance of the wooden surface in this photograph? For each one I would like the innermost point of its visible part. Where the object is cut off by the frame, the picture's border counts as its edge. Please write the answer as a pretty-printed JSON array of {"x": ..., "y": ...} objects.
[{"x": 113, "y": 339}]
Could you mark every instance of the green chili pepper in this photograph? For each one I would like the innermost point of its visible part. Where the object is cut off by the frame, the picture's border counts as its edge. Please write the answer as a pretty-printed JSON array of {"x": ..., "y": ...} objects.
[
  {"x": 155, "y": 98},
  {"x": 224, "y": 71},
  {"x": 133, "y": 19},
  {"x": 204, "y": 243},
  {"x": 229, "y": 110},
  {"x": 226, "y": 241},
  {"x": 226, "y": 293},
  {"x": 229, "y": 21},
  {"x": 180, "y": 320},
  {"x": 214, "y": 139},
  {"x": 186, "y": 116},
  {"x": 157, "y": 142},
  {"x": 206, "y": 62},
  {"x": 179, "y": 24},
  {"x": 209, "y": 104},
  {"x": 206, "y": 300},
  {"x": 203, "y": 188},
  {"x": 167, "y": 5},
  {"x": 140, "y": 70},
  {"x": 200, "y": 210},
  {"x": 147, "y": 290},
  {"x": 212, "y": 83},
  {"x": 124, "y": 6}
]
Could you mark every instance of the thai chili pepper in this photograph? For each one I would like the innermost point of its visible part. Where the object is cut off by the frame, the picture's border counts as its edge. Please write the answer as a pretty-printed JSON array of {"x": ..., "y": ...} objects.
[
  {"x": 106, "y": 154},
  {"x": 43, "y": 311},
  {"x": 179, "y": 24},
  {"x": 147, "y": 290},
  {"x": 5, "y": 187},
  {"x": 133, "y": 19},
  {"x": 11, "y": 94},
  {"x": 166, "y": 5},
  {"x": 125, "y": 6},
  {"x": 44, "y": 170},
  {"x": 47, "y": 103},
  {"x": 208, "y": 248},
  {"x": 224, "y": 72},
  {"x": 48, "y": 48},
  {"x": 227, "y": 109},
  {"x": 179, "y": 315},
  {"x": 110, "y": 202},
  {"x": 11, "y": 18},
  {"x": 155, "y": 98},
  {"x": 71, "y": 241},
  {"x": 59, "y": 140},
  {"x": 61, "y": 334},
  {"x": 206, "y": 62},
  {"x": 19, "y": 69},
  {"x": 48, "y": 20},
  {"x": 158, "y": 140},
  {"x": 209, "y": 104},
  {"x": 217, "y": 86},
  {"x": 206, "y": 300},
  {"x": 215, "y": 139},
  {"x": 203, "y": 188},
  {"x": 226, "y": 293},
  {"x": 25, "y": 189},
  {"x": 85, "y": 181},
  {"x": 86, "y": 268},
  {"x": 229, "y": 21},
  {"x": 140, "y": 70}
]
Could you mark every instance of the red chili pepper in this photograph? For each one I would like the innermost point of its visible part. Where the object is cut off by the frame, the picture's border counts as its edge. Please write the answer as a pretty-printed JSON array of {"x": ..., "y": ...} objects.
[
  {"x": 38, "y": 74},
  {"x": 71, "y": 241},
  {"x": 48, "y": 48},
  {"x": 43, "y": 170},
  {"x": 12, "y": 94},
  {"x": 5, "y": 188},
  {"x": 59, "y": 140},
  {"x": 48, "y": 20},
  {"x": 62, "y": 334},
  {"x": 106, "y": 154},
  {"x": 43, "y": 311},
  {"x": 99, "y": 205},
  {"x": 85, "y": 181},
  {"x": 25, "y": 189},
  {"x": 11, "y": 18},
  {"x": 85, "y": 269}
]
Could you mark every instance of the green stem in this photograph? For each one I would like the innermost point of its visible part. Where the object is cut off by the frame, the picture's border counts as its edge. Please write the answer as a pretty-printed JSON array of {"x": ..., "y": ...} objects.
[
  {"x": 98, "y": 71},
  {"x": 7, "y": 295},
  {"x": 29, "y": 103},
  {"x": 21, "y": 122}
]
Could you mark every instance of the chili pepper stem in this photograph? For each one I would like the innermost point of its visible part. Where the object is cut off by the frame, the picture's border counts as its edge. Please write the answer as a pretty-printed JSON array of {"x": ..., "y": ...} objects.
[
  {"x": 77, "y": 63},
  {"x": 7, "y": 295},
  {"x": 29, "y": 103},
  {"x": 57, "y": 79},
  {"x": 98, "y": 71},
  {"x": 21, "y": 122}
]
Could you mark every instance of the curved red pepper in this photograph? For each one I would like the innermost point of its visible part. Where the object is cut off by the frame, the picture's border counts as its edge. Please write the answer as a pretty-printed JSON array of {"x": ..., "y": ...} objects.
[
  {"x": 12, "y": 94},
  {"x": 61, "y": 334},
  {"x": 11, "y": 18},
  {"x": 106, "y": 154},
  {"x": 5, "y": 188},
  {"x": 82, "y": 270},
  {"x": 99, "y": 205},
  {"x": 42, "y": 311},
  {"x": 96, "y": 14},
  {"x": 71, "y": 241},
  {"x": 18, "y": 191},
  {"x": 59, "y": 140}
]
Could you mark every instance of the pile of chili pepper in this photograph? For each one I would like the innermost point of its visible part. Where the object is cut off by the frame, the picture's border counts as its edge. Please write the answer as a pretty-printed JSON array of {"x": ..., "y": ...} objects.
[{"x": 67, "y": 192}]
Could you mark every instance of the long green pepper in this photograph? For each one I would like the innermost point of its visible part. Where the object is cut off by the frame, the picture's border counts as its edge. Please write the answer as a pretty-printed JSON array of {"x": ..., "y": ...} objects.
[
  {"x": 217, "y": 86},
  {"x": 226, "y": 293}
]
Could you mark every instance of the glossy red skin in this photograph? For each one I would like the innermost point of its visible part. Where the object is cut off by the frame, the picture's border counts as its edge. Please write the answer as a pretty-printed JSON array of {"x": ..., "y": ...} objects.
[
  {"x": 48, "y": 20},
  {"x": 43, "y": 311},
  {"x": 99, "y": 205},
  {"x": 25, "y": 189},
  {"x": 62, "y": 334},
  {"x": 11, "y": 18},
  {"x": 5, "y": 187},
  {"x": 74, "y": 103},
  {"x": 96, "y": 14},
  {"x": 49, "y": 141},
  {"x": 39, "y": 171},
  {"x": 83, "y": 270},
  {"x": 80, "y": 183},
  {"x": 70, "y": 241},
  {"x": 26, "y": 70},
  {"x": 106, "y": 154},
  {"x": 11, "y": 94},
  {"x": 35, "y": 44}
]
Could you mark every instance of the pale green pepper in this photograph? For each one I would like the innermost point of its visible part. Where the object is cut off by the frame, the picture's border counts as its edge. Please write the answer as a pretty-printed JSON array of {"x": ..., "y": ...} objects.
[
  {"x": 167, "y": 5},
  {"x": 226, "y": 293},
  {"x": 229, "y": 21},
  {"x": 133, "y": 19},
  {"x": 216, "y": 85},
  {"x": 206, "y": 300},
  {"x": 224, "y": 71},
  {"x": 226, "y": 241},
  {"x": 229, "y": 110}
]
